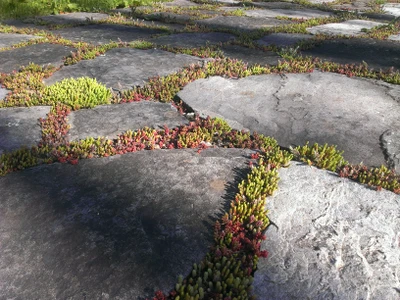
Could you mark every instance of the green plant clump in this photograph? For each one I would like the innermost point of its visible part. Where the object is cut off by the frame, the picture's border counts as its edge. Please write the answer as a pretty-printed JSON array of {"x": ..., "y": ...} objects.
[{"x": 78, "y": 93}]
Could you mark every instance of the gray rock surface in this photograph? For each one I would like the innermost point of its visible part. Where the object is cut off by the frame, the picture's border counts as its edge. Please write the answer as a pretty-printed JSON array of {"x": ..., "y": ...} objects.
[
  {"x": 241, "y": 23},
  {"x": 296, "y": 108},
  {"x": 350, "y": 27},
  {"x": 40, "y": 54},
  {"x": 104, "y": 33},
  {"x": 228, "y": 2},
  {"x": 114, "y": 228},
  {"x": 357, "y": 51},
  {"x": 20, "y": 127},
  {"x": 111, "y": 120},
  {"x": 290, "y": 13},
  {"x": 251, "y": 56},
  {"x": 283, "y": 39},
  {"x": 392, "y": 9},
  {"x": 9, "y": 39},
  {"x": 180, "y": 3},
  {"x": 331, "y": 239},
  {"x": 169, "y": 17},
  {"x": 124, "y": 68},
  {"x": 276, "y": 5},
  {"x": 74, "y": 18},
  {"x": 193, "y": 40},
  {"x": 3, "y": 93},
  {"x": 391, "y": 145}
]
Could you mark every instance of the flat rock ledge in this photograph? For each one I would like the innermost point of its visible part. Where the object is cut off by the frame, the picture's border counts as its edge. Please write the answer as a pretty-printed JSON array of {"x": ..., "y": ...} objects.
[
  {"x": 19, "y": 127},
  {"x": 120, "y": 227},
  {"x": 125, "y": 68},
  {"x": 331, "y": 238},
  {"x": 111, "y": 120},
  {"x": 295, "y": 108}
]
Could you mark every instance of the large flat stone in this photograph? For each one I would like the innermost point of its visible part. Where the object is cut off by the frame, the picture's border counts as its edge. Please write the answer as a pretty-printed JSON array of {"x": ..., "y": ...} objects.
[
  {"x": 392, "y": 9},
  {"x": 114, "y": 228},
  {"x": 391, "y": 145},
  {"x": 332, "y": 238},
  {"x": 351, "y": 113},
  {"x": 193, "y": 40},
  {"x": 283, "y": 39},
  {"x": 290, "y": 13},
  {"x": 180, "y": 3},
  {"x": 124, "y": 68},
  {"x": 111, "y": 120},
  {"x": 20, "y": 127},
  {"x": 40, "y": 54},
  {"x": 9, "y": 39},
  {"x": 251, "y": 56},
  {"x": 349, "y": 51},
  {"x": 74, "y": 18},
  {"x": 169, "y": 17},
  {"x": 276, "y": 5},
  {"x": 104, "y": 33},
  {"x": 353, "y": 6},
  {"x": 350, "y": 27},
  {"x": 3, "y": 93},
  {"x": 241, "y": 23}
]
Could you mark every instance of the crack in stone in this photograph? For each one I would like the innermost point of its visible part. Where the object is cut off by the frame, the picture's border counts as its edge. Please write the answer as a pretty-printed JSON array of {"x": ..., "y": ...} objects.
[{"x": 283, "y": 82}]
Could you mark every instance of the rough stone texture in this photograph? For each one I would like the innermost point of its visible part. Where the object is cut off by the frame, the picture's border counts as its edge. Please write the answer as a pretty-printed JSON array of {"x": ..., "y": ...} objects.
[
  {"x": 104, "y": 33},
  {"x": 9, "y": 39},
  {"x": 296, "y": 14},
  {"x": 181, "y": 3},
  {"x": 354, "y": 6},
  {"x": 283, "y": 39},
  {"x": 228, "y": 2},
  {"x": 351, "y": 27},
  {"x": 114, "y": 228},
  {"x": 74, "y": 18},
  {"x": 251, "y": 56},
  {"x": 296, "y": 108},
  {"x": 3, "y": 93},
  {"x": 125, "y": 68},
  {"x": 20, "y": 127},
  {"x": 349, "y": 51},
  {"x": 193, "y": 40},
  {"x": 331, "y": 239},
  {"x": 280, "y": 5},
  {"x": 394, "y": 37},
  {"x": 169, "y": 17},
  {"x": 321, "y": 1},
  {"x": 27, "y": 23},
  {"x": 111, "y": 120},
  {"x": 40, "y": 54},
  {"x": 392, "y": 9},
  {"x": 391, "y": 145},
  {"x": 241, "y": 23}
]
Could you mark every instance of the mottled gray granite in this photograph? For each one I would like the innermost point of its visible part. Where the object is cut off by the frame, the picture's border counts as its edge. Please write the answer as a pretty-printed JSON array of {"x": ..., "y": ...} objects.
[
  {"x": 290, "y": 13},
  {"x": 350, "y": 27},
  {"x": 9, "y": 39},
  {"x": 283, "y": 39},
  {"x": 74, "y": 18},
  {"x": 193, "y": 40}
]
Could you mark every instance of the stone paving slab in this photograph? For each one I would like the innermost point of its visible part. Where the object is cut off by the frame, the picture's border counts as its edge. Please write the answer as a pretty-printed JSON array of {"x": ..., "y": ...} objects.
[
  {"x": 40, "y": 54},
  {"x": 3, "y": 93},
  {"x": 104, "y": 33},
  {"x": 392, "y": 9},
  {"x": 28, "y": 23},
  {"x": 241, "y": 23},
  {"x": 169, "y": 17},
  {"x": 295, "y": 108},
  {"x": 251, "y": 56},
  {"x": 295, "y": 14},
  {"x": 348, "y": 51},
  {"x": 74, "y": 18},
  {"x": 283, "y": 39},
  {"x": 124, "y": 68},
  {"x": 111, "y": 120},
  {"x": 276, "y": 5},
  {"x": 113, "y": 228},
  {"x": 19, "y": 127},
  {"x": 9, "y": 39},
  {"x": 193, "y": 40},
  {"x": 350, "y": 27},
  {"x": 180, "y": 3},
  {"x": 228, "y": 2},
  {"x": 391, "y": 145},
  {"x": 354, "y": 6},
  {"x": 331, "y": 238}
]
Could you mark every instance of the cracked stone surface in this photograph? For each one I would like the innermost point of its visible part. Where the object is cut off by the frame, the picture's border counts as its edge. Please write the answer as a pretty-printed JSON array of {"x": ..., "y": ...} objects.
[
  {"x": 9, "y": 39},
  {"x": 392, "y": 9},
  {"x": 391, "y": 145},
  {"x": 350, "y": 27},
  {"x": 349, "y": 51},
  {"x": 251, "y": 56},
  {"x": 111, "y": 120},
  {"x": 332, "y": 238},
  {"x": 296, "y": 14},
  {"x": 296, "y": 108},
  {"x": 124, "y": 68},
  {"x": 40, "y": 54},
  {"x": 241, "y": 23},
  {"x": 74, "y": 18},
  {"x": 104, "y": 33},
  {"x": 120, "y": 227},
  {"x": 19, "y": 126},
  {"x": 283, "y": 39},
  {"x": 193, "y": 40}
]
